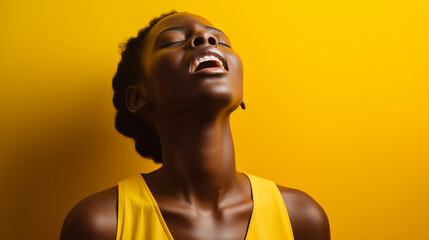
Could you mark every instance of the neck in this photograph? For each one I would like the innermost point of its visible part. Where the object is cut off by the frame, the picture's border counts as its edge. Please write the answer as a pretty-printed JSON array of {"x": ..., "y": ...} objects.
[{"x": 198, "y": 158}]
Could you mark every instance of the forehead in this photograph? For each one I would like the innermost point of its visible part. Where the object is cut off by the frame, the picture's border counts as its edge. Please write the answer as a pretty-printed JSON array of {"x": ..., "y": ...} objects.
[{"x": 188, "y": 20}]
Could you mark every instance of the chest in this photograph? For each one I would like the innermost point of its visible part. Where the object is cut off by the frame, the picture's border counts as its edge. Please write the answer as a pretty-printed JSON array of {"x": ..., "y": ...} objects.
[{"x": 230, "y": 223}]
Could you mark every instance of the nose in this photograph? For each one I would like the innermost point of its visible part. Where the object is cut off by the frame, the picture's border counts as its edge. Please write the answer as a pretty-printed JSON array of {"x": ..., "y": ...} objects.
[{"x": 203, "y": 38}]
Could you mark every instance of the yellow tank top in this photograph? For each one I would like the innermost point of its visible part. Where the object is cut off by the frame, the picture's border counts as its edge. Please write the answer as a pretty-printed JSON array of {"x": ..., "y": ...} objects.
[{"x": 139, "y": 216}]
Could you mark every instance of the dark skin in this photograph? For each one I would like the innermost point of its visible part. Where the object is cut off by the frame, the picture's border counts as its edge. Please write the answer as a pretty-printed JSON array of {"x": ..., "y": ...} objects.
[{"x": 198, "y": 189}]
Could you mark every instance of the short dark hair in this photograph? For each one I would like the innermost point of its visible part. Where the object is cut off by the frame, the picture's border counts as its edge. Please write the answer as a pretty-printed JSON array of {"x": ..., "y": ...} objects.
[{"x": 146, "y": 138}]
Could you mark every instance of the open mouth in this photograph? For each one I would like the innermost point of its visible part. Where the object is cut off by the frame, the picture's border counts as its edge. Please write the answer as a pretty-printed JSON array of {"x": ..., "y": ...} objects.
[
  {"x": 209, "y": 59},
  {"x": 210, "y": 63}
]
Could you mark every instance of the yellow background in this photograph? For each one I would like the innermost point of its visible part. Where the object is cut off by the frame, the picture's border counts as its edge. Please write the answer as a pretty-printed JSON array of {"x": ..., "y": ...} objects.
[{"x": 337, "y": 95}]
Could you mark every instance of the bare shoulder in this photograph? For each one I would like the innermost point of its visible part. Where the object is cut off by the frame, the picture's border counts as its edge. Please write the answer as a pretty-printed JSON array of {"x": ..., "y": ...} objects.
[
  {"x": 95, "y": 217},
  {"x": 308, "y": 219}
]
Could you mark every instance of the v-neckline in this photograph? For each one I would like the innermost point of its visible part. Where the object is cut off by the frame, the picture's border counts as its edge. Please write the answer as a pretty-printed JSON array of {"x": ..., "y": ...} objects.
[{"x": 164, "y": 224}]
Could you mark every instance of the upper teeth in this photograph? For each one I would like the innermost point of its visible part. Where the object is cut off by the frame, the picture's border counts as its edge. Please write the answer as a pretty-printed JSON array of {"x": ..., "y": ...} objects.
[{"x": 205, "y": 59}]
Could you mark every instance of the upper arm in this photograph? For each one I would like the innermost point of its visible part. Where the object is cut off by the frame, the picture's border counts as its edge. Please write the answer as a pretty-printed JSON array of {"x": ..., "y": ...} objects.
[
  {"x": 93, "y": 218},
  {"x": 308, "y": 219}
]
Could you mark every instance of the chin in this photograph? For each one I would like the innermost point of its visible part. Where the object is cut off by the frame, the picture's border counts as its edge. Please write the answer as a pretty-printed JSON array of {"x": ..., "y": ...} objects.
[{"x": 221, "y": 100}]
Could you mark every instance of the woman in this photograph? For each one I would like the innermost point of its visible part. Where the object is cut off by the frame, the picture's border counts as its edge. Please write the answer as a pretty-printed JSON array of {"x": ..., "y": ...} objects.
[{"x": 175, "y": 87}]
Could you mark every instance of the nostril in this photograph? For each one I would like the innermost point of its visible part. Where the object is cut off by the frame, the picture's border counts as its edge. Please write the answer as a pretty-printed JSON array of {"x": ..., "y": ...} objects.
[
  {"x": 198, "y": 41},
  {"x": 212, "y": 41}
]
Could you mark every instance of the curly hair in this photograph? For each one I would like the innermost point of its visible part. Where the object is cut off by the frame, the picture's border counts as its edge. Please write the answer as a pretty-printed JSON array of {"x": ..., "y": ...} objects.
[{"x": 131, "y": 125}]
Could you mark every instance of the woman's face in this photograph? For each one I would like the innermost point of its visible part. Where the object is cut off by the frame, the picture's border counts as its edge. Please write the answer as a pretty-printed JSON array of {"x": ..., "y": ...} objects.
[{"x": 188, "y": 64}]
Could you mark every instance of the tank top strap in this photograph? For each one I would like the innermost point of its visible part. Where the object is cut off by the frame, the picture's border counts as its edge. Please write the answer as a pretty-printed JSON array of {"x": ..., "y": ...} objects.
[
  {"x": 138, "y": 214},
  {"x": 269, "y": 219}
]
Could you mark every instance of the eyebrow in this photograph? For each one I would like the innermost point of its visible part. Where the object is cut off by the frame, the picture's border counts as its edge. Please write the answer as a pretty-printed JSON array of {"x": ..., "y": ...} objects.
[{"x": 208, "y": 28}]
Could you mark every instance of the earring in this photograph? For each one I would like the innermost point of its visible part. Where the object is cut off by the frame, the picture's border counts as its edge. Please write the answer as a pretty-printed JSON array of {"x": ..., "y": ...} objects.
[{"x": 242, "y": 105}]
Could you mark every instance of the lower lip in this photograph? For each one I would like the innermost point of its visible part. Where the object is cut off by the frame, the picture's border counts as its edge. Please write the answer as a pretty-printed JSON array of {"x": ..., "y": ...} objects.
[{"x": 211, "y": 71}]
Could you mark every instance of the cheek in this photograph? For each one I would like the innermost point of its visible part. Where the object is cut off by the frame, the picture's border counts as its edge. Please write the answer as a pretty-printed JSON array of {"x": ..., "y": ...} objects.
[
  {"x": 163, "y": 66},
  {"x": 236, "y": 72},
  {"x": 162, "y": 72}
]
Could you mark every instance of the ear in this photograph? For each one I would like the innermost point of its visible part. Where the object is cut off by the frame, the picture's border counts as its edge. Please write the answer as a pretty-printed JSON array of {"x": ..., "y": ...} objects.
[{"x": 134, "y": 99}]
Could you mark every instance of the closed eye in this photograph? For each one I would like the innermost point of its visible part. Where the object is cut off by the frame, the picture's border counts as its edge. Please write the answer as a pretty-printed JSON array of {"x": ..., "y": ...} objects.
[
  {"x": 180, "y": 42},
  {"x": 172, "y": 44},
  {"x": 224, "y": 44}
]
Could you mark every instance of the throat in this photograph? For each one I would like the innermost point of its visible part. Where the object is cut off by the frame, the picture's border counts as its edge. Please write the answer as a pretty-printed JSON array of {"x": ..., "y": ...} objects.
[
  {"x": 230, "y": 221},
  {"x": 201, "y": 153}
]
